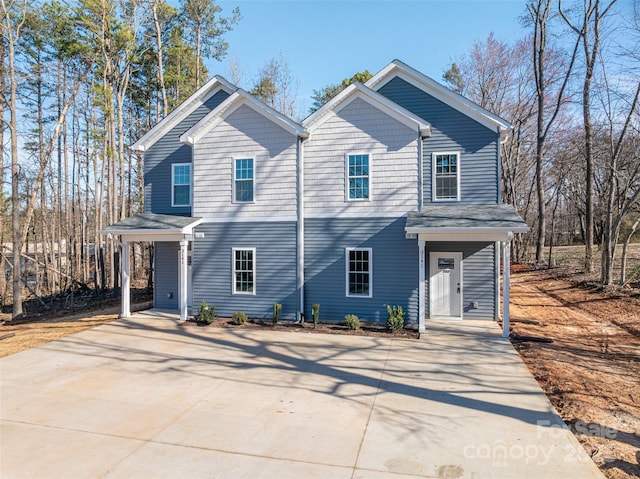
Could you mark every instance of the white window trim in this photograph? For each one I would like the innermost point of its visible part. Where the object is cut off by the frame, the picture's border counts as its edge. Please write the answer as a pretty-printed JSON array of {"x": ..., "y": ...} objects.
[
  {"x": 346, "y": 176},
  {"x": 346, "y": 257},
  {"x": 233, "y": 271},
  {"x": 233, "y": 188},
  {"x": 173, "y": 185},
  {"x": 433, "y": 175}
]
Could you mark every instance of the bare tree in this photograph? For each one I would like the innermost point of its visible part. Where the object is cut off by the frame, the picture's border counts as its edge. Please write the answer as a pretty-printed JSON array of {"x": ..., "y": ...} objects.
[
  {"x": 13, "y": 19},
  {"x": 540, "y": 14},
  {"x": 587, "y": 30}
]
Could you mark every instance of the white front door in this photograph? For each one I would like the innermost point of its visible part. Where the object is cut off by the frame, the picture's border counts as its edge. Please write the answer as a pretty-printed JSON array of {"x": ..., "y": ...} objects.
[{"x": 445, "y": 285}]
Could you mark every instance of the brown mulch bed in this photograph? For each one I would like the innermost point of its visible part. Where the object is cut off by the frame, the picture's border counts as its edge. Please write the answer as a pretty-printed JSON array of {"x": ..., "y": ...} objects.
[{"x": 366, "y": 328}]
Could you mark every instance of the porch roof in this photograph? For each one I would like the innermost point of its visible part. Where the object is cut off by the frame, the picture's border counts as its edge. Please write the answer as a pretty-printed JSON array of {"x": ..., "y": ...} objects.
[
  {"x": 153, "y": 227},
  {"x": 465, "y": 219}
]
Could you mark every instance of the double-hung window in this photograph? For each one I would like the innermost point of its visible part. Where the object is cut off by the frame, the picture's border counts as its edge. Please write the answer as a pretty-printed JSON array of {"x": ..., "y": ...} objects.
[
  {"x": 181, "y": 184},
  {"x": 244, "y": 270},
  {"x": 446, "y": 176},
  {"x": 243, "y": 180},
  {"x": 358, "y": 177},
  {"x": 359, "y": 272}
]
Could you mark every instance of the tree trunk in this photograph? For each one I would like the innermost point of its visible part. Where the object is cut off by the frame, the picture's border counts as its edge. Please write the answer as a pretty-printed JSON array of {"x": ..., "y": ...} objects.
[{"x": 625, "y": 248}]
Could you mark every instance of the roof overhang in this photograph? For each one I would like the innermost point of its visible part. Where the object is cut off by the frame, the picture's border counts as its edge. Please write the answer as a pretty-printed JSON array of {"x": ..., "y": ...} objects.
[
  {"x": 187, "y": 107},
  {"x": 454, "y": 222},
  {"x": 153, "y": 227},
  {"x": 358, "y": 91},
  {"x": 412, "y": 76}
]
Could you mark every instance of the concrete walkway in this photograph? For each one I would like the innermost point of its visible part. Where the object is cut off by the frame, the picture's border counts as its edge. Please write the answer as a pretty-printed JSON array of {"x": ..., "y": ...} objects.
[{"x": 148, "y": 398}]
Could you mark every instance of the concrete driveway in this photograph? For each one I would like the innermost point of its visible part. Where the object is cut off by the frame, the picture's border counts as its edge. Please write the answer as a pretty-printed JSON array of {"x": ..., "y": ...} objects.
[{"x": 149, "y": 398}]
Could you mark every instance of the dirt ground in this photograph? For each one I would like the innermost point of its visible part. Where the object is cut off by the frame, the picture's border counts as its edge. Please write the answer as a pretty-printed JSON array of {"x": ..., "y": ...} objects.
[
  {"x": 591, "y": 370},
  {"x": 31, "y": 333}
]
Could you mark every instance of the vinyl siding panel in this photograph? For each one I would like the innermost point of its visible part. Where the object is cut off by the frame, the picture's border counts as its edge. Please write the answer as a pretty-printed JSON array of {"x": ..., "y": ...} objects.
[
  {"x": 395, "y": 268},
  {"x": 275, "y": 280},
  {"x": 166, "y": 151},
  {"x": 165, "y": 280},
  {"x": 478, "y": 276},
  {"x": 393, "y": 149},
  {"x": 246, "y": 134},
  {"x": 453, "y": 131}
]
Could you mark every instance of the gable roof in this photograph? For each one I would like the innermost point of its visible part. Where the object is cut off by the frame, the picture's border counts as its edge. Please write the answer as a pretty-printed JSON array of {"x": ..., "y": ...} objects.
[
  {"x": 187, "y": 107},
  {"x": 358, "y": 90},
  {"x": 399, "y": 69},
  {"x": 237, "y": 99}
]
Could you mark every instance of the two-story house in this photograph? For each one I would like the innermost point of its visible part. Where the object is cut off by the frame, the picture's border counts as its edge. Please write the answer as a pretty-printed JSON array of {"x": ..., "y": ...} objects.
[{"x": 387, "y": 195}]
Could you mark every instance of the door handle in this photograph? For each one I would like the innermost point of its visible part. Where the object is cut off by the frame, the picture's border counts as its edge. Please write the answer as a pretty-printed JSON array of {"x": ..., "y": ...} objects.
[{"x": 458, "y": 288}]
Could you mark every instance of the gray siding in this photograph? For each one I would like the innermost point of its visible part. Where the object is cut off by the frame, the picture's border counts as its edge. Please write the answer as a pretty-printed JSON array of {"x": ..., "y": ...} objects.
[
  {"x": 168, "y": 150},
  {"x": 245, "y": 133},
  {"x": 478, "y": 276},
  {"x": 453, "y": 131},
  {"x": 165, "y": 281},
  {"x": 275, "y": 280},
  {"x": 361, "y": 128},
  {"x": 395, "y": 268}
]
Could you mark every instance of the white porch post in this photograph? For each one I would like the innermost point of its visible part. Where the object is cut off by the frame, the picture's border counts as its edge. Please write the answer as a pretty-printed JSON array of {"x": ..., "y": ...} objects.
[
  {"x": 422, "y": 305},
  {"x": 125, "y": 303},
  {"x": 183, "y": 279},
  {"x": 506, "y": 267}
]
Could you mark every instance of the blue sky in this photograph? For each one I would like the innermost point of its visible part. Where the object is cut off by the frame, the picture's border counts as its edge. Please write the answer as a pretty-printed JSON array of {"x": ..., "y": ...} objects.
[{"x": 326, "y": 41}]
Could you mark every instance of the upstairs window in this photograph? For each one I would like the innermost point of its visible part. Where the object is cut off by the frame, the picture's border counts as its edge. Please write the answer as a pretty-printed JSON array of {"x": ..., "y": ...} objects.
[
  {"x": 244, "y": 271},
  {"x": 243, "y": 175},
  {"x": 359, "y": 272},
  {"x": 446, "y": 176},
  {"x": 181, "y": 184},
  {"x": 358, "y": 173}
]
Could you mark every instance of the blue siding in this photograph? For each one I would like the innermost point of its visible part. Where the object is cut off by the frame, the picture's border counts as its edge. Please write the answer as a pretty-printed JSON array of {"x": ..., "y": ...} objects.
[
  {"x": 478, "y": 270},
  {"x": 453, "y": 131},
  {"x": 168, "y": 150},
  {"x": 275, "y": 280},
  {"x": 395, "y": 268},
  {"x": 165, "y": 280}
]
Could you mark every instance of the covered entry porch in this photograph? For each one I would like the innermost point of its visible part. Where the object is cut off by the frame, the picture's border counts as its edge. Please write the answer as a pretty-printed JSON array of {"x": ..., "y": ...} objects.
[
  {"x": 452, "y": 238},
  {"x": 155, "y": 228}
]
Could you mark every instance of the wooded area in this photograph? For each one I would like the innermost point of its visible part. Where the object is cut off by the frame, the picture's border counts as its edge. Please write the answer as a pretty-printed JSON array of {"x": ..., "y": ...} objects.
[{"x": 81, "y": 81}]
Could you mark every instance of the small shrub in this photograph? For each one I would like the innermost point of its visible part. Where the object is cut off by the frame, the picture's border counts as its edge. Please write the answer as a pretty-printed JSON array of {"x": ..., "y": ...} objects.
[
  {"x": 352, "y": 321},
  {"x": 277, "y": 309},
  {"x": 206, "y": 313},
  {"x": 395, "y": 318},
  {"x": 316, "y": 314},
  {"x": 238, "y": 317}
]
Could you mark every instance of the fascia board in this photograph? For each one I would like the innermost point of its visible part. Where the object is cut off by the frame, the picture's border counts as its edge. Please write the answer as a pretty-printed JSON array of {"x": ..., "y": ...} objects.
[
  {"x": 189, "y": 228},
  {"x": 378, "y": 101},
  {"x": 317, "y": 117},
  {"x": 452, "y": 231},
  {"x": 209, "y": 121},
  {"x": 272, "y": 114},
  {"x": 231, "y": 104},
  {"x": 440, "y": 92},
  {"x": 187, "y": 107}
]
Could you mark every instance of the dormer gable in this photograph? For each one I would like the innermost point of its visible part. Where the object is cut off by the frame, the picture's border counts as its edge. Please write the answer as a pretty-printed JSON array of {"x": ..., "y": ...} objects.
[
  {"x": 359, "y": 91},
  {"x": 236, "y": 100},
  {"x": 398, "y": 69},
  {"x": 213, "y": 86}
]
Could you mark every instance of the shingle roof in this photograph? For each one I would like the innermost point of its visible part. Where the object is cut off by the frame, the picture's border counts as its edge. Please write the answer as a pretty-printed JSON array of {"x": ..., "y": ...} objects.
[
  {"x": 463, "y": 217},
  {"x": 152, "y": 222}
]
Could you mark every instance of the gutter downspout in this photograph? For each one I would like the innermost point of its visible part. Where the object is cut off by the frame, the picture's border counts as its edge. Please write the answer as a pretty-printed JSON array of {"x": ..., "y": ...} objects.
[
  {"x": 499, "y": 168},
  {"x": 420, "y": 172},
  {"x": 300, "y": 225}
]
